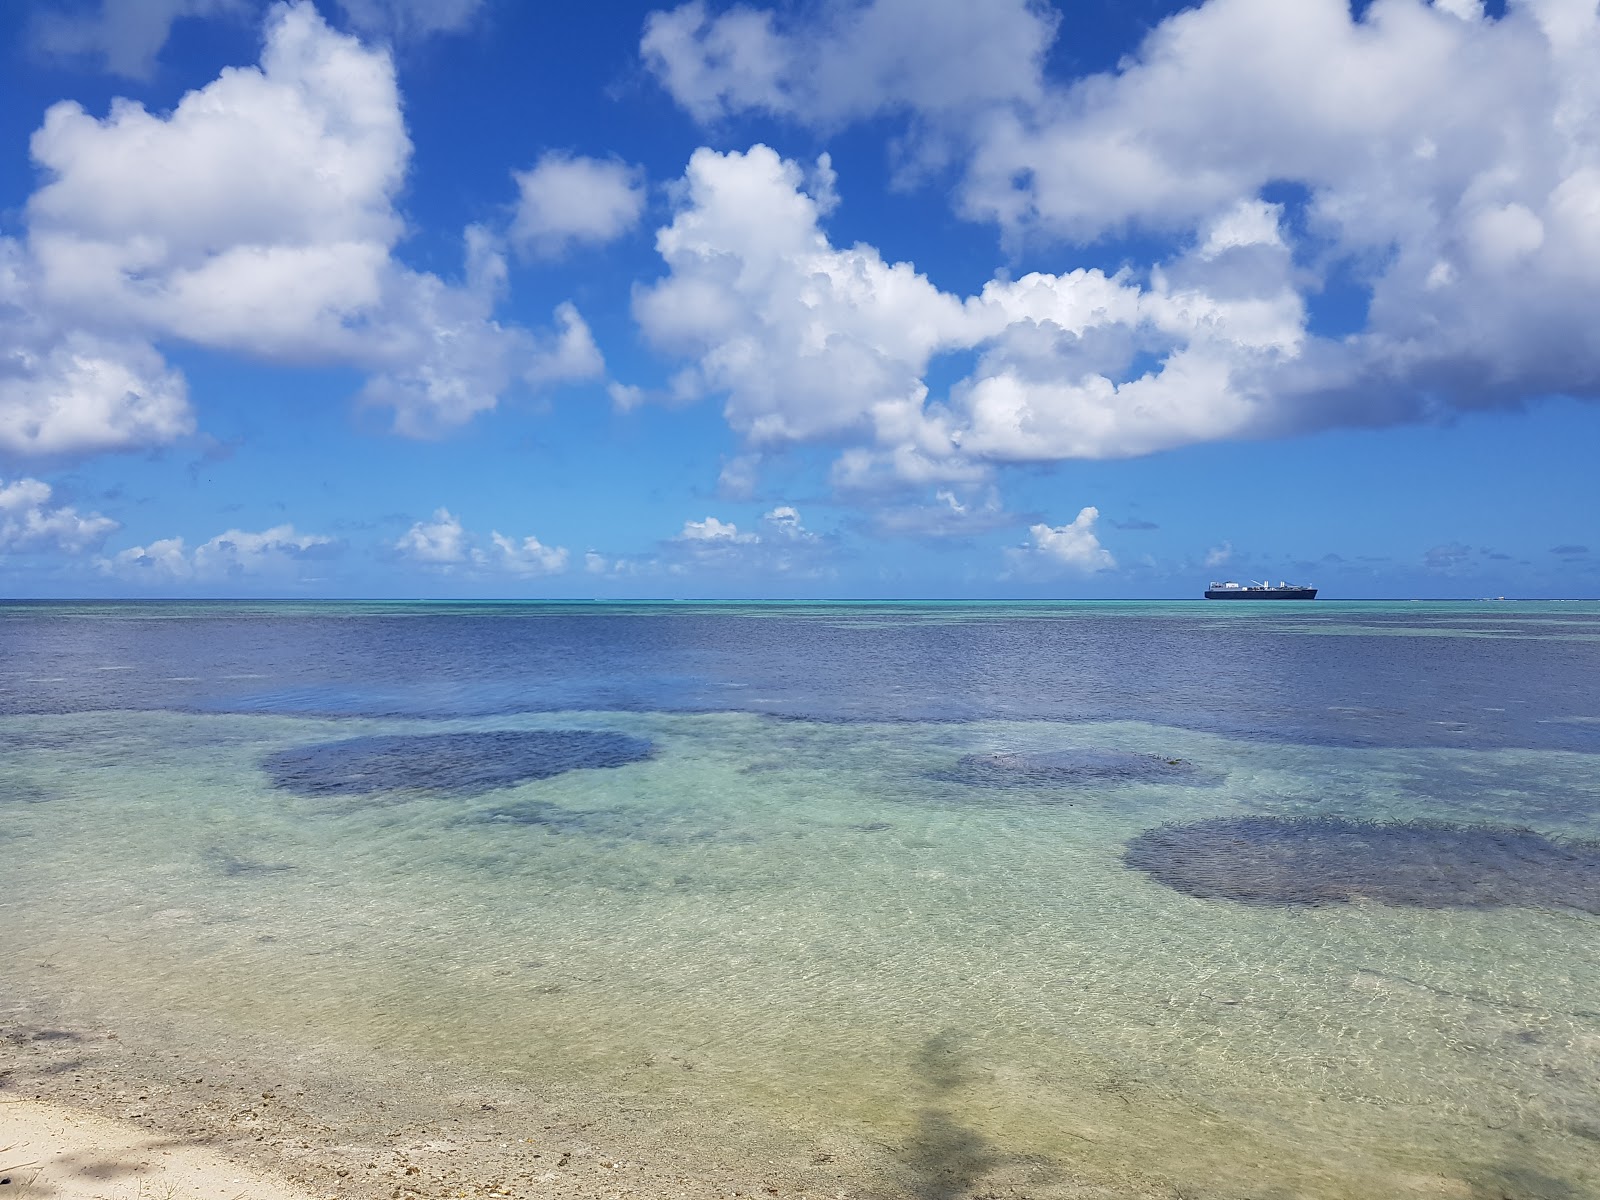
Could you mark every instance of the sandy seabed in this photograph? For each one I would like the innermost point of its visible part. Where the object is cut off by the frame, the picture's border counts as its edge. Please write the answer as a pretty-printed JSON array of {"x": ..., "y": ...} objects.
[
  {"x": 91, "y": 1114},
  {"x": 779, "y": 958}
]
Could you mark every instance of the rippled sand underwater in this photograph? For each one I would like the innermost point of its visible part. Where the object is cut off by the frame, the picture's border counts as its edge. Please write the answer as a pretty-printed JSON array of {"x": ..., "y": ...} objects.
[{"x": 840, "y": 934}]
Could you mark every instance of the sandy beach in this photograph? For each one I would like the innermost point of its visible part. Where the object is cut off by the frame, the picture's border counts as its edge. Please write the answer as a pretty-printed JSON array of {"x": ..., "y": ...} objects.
[
  {"x": 92, "y": 1113},
  {"x": 50, "y": 1150}
]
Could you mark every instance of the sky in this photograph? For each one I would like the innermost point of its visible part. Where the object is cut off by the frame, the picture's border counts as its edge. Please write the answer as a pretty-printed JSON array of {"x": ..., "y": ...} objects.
[{"x": 829, "y": 298}]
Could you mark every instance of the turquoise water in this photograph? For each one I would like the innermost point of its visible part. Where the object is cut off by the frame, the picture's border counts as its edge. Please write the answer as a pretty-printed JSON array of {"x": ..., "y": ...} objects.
[{"x": 801, "y": 897}]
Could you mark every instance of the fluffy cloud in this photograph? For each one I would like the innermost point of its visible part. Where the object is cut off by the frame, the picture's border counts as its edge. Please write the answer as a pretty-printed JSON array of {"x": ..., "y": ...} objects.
[
  {"x": 812, "y": 342},
  {"x": 779, "y": 526},
  {"x": 1446, "y": 162},
  {"x": 779, "y": 545},
  {"x": 567, "y": 201},
  {"x": 28, "y": 521},
  {"x": 444, "y": 543},
  {"x": 567, "y": 353},
  {"x": 1074, "y": 547},
  {"x": 266, "y": 183},
  {"x": 1369, "y": 112},
  {"x": 712, "y": 530},
  {"x": 80, "y": 393},
  {"x": 529, "y": 556},
  {"x": 258, "y": 216},
  {"x": 124, "y": 35},
  {"x": 64, "y": 390},
  {"x": 236, "y": 553},
  {"x": 783, "y": 524},
  {"x": 928, "y": 56},
  {"x": 806, "y": 340},
  {"x": 441, "y": 540},
  {"x": 408, "y": 20}
]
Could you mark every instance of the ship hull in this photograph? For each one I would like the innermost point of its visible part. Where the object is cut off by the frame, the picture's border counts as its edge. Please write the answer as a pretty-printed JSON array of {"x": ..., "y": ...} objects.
[{"x": 1261, "y": 593}]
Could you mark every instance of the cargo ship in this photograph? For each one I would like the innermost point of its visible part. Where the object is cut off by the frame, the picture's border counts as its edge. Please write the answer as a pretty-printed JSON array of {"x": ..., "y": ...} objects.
[{"x": 1260, "y": 591}]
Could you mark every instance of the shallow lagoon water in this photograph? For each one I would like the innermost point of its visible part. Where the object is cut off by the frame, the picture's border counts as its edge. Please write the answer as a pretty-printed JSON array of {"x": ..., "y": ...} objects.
[{"x": 797, "y": 912}]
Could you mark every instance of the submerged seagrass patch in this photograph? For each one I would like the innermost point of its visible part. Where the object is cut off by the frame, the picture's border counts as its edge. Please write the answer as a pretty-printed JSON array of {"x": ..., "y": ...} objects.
[
  {"x": 463, "y": 763},
  {"x": 1330, "y": 860},
  {"x": 1058, "y": 768}
]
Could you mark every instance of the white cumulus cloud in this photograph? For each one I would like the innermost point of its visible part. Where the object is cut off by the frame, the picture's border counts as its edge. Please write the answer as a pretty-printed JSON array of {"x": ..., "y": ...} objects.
[
  {"x": 66, "y": 390},
  {"x": 124, "y": 35},
  {"x": 1073, "y": 546},
  {"x": 806, "y": 340},
  {"x": 850, "y": 59},
  {"x": 236, "y": 553},
  {"x": 566, "y": 201},
  {"x": 780, "y": 544},
  {"x": 78, "y": 393},
  {"x": 783, "y": 524},
  {"x": 529, "y": 556},
  {"x": 1443, "y": 162},
  {"x": 567, "y": 352},
  {"x": 29, "y": 522},
  {"x": 713, "y": 530},
  {"x": 127, "y": 36},
  {"x": 257, "y": 216},
  {"x": 443, "y": 542},
  {"x": 812, "y": 342},
  {"x": 440, "y": 540},
  {"x": 410, "y": 20}
]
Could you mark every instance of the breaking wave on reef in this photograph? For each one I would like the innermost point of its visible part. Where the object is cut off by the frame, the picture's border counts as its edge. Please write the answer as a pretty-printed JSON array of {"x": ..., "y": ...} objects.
[
  {"x": 1330, "y": 860},
  {"x": 463, "y": 763}
]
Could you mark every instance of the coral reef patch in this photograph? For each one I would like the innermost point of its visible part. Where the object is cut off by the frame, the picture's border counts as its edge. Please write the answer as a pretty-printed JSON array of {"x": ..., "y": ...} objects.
[
  {"x": 1056, "y": 768},
  {"x": 1331, "y": 860},
  {"x": 461, "y": 763}
]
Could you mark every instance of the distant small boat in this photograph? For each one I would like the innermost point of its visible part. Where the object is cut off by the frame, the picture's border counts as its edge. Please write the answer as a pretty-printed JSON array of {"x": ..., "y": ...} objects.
[{"x": 1260, "y": 591}]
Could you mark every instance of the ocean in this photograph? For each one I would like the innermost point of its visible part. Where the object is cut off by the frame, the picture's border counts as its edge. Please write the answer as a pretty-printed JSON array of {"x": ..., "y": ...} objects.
[{"x": 911, "y": 899}]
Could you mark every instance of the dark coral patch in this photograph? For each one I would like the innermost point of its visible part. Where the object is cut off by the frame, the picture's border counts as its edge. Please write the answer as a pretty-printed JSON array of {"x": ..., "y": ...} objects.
[
  {"x": 614, "y": 825},
  {"x": 24, "y": 791},
  {"x": 540, "y": 815},
  {"x": 235, "y": 867},
  {"x": 1059, "y": 768},
  {"x": 462, "y": 763},
  {"x": 1419, "y": 864}
]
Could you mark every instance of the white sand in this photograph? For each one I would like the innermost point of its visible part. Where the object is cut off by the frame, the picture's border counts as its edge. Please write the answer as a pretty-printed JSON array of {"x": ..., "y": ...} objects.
[{"x": 50, "y": 1152}]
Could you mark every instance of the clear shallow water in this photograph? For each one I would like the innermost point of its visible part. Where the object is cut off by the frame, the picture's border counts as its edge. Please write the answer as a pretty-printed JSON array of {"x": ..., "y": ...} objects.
[{"x": 802, "y": 898}]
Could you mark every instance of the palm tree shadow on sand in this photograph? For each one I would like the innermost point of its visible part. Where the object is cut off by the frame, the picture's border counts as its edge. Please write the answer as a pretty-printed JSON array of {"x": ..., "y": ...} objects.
[{"x": 944, "y": 1157}]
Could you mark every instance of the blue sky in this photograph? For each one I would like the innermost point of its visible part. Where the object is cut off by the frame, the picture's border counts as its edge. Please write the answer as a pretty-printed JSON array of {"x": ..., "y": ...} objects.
[{"x": 856, "y": 298}]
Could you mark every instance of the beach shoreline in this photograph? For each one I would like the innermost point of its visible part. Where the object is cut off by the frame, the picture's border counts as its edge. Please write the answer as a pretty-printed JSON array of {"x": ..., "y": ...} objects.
[
  {"x": 53, "y": 1150},
  {"x": 93, "y": 1113}
]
